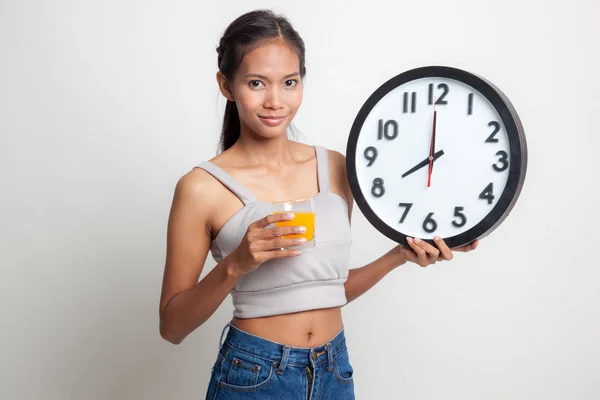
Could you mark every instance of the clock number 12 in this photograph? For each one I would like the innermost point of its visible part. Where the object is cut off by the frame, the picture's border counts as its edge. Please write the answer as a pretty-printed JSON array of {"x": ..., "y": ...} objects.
[{"x": 440, "y": 100}]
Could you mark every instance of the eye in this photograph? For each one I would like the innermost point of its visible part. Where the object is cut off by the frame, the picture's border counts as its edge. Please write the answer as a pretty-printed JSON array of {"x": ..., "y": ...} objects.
[
  {"x": 255, "y": 83},
  {"x": 291, "y": 82}
]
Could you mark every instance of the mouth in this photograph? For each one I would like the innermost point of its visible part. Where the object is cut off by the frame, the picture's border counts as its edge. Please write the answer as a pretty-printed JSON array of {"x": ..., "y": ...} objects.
[
  {"x": 271, "y": 120},
  {"x": 272, "y": 116}
]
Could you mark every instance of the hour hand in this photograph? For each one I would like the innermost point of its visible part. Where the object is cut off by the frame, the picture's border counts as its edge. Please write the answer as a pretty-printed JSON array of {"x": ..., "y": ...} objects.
[{"x": 423, "y": 163}]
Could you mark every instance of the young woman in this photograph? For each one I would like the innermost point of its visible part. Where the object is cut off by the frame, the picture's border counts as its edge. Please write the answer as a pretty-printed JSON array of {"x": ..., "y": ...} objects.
[{"x": 286, "y": 339}]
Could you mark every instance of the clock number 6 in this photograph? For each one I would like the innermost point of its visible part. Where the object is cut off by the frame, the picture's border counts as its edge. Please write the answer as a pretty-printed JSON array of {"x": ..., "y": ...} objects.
[
  {"x": 377, "y": 190},
  {"x": 429, "y": 225}
]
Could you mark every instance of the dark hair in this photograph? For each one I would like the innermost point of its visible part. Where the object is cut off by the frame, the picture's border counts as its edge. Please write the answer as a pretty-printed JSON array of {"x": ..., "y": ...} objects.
[{"x": 241, "y": 37}]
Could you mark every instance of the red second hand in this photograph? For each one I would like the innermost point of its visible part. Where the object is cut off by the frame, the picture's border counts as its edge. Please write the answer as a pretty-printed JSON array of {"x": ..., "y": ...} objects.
[{"x": 431, "y": 147}]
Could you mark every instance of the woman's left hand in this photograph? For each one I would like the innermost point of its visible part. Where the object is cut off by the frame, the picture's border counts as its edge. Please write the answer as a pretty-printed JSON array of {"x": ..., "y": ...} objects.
[{"x": 422, "y": 253}]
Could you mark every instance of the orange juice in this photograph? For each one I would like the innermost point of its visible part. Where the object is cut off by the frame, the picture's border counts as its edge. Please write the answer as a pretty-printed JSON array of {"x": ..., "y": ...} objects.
[{"x": 303, "y": 218}]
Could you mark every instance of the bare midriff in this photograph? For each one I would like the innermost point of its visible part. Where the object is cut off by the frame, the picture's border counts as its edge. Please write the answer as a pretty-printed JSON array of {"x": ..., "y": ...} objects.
[{"x": 302, "y": 329}]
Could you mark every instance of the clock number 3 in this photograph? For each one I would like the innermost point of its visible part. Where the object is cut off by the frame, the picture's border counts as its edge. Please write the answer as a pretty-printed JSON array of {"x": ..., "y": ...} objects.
[{"x": 503, "y": 161}]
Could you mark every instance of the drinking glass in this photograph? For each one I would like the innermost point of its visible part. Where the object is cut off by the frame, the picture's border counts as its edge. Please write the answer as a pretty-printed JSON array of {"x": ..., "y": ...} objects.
[{"x": 304, "y": 211}]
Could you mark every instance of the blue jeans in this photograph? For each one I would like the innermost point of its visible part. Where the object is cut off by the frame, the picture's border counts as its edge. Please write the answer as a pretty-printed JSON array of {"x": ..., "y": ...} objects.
[{"x": 250, "y": 367}]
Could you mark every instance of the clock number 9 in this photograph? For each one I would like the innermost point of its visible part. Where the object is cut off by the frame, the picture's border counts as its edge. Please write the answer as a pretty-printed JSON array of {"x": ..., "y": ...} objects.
[
  {"x": 377, "y": 190},
  {"x": 371, "y": 155},
  {"x": 429, "y": 225}
]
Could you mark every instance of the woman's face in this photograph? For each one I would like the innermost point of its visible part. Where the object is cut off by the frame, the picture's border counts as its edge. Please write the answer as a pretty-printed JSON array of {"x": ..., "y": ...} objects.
[{"x": 267, "y": 89}]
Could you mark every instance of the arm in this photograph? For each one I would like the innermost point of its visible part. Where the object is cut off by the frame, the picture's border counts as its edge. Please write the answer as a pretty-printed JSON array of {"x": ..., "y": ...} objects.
[
  {"x": 360, "y": 280},
  {"x": 185, "y": 303}
]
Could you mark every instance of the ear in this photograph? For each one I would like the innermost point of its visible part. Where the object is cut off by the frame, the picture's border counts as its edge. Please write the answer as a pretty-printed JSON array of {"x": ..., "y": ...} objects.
[{"x": 224, "y": 86}]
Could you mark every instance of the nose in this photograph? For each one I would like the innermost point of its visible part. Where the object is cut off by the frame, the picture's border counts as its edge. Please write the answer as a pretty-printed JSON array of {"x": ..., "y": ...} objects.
[{"x": 273, "y": 98}]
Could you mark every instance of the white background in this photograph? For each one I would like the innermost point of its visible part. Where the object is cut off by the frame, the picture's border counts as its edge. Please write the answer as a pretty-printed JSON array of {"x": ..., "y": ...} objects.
[{"x": 105, "y": 104}]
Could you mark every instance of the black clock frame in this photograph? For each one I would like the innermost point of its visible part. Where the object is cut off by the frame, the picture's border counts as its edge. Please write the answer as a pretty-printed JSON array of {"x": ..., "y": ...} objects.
[{"x": 514, "y": 130}]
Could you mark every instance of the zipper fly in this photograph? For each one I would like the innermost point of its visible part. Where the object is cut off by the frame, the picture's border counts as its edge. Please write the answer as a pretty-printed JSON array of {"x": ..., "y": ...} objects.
[{"x": 310, "y": 378}]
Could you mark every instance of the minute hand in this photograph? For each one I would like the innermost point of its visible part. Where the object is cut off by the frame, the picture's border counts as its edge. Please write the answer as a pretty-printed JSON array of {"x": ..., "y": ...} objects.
[{"x": 423, "y": 163}]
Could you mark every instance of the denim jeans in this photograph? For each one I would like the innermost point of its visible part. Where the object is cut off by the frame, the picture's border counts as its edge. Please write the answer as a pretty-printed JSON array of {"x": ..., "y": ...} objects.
[{"x": 250, "y": 367}]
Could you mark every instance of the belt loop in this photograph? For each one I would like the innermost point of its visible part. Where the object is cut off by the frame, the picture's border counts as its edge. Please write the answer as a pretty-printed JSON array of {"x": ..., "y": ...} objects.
[
  {"x": 284, "y": 359},
  {"x": 329, "y": 357},
  {"x": 223, "y": 333}
]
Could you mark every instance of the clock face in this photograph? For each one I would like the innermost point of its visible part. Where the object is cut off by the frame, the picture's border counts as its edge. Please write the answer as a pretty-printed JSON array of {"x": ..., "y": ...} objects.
[{"x": 431, "y": 154}]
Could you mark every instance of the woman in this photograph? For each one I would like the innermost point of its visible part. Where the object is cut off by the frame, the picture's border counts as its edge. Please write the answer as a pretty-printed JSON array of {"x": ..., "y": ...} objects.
[{"x": 286, "y": 338}]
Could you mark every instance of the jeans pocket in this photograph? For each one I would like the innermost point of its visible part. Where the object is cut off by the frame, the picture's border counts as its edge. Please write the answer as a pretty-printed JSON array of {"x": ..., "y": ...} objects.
[
  {"x": 344, "y": 372},
  {"x": 243, "y": 372}
]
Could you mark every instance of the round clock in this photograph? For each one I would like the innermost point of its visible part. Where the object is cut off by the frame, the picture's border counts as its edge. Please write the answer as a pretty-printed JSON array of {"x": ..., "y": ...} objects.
[{"x": 436, "y": 151}]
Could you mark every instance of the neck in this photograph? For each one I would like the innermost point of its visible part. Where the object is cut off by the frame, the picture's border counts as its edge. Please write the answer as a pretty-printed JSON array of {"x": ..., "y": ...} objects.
[{"x": 273, "y": 152}]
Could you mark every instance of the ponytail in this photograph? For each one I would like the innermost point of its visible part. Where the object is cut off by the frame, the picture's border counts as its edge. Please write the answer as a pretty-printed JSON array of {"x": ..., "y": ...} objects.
[{"x": 230, "y": 132}]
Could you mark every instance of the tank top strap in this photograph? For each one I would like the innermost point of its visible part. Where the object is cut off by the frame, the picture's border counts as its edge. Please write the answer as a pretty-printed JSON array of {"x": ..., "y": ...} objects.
[
  {"x": 322, "y": 168},
  {"x": 227, "y": 180}
]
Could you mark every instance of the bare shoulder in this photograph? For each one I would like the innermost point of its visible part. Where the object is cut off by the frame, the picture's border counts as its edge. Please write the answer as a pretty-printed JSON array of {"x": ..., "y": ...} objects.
[
  {"x": 336, "y": 159},
  {"x": 197, "y": 191}
]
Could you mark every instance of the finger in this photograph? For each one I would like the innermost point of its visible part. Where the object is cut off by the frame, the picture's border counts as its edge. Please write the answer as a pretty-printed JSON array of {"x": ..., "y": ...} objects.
[
  {"x": 445, "y": 251},
  {"x": 270, "y": 255},
  {"x": 273, "y": 218},
  {"x": 468, "y": 247},
  {"x": 280, "y": 243},
  {"x": 431, "y": 251},
  {"x": 280, "y": 231},
  {"x": 275, "y": 243},
  {"x": 409, "y": 253},
  {"x": 421, "y": 254}
]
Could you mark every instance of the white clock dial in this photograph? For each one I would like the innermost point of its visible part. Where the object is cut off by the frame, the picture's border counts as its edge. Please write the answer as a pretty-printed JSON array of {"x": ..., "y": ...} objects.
[
  {"x": 436, "y": 151},
  {"x": 397, "y": 135}
]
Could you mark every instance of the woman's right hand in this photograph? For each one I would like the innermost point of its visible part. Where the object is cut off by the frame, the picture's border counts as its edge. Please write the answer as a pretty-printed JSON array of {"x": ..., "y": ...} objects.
[{"x": 261, "y": 244}]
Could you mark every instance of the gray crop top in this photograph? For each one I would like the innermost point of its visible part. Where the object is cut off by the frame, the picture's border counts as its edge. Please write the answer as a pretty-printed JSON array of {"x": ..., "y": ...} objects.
[{"x": 310, "y": 281}]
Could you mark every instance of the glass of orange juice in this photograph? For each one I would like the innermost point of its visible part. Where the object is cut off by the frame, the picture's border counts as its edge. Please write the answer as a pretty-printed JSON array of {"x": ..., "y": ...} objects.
[{"x": 304, "y": 211}]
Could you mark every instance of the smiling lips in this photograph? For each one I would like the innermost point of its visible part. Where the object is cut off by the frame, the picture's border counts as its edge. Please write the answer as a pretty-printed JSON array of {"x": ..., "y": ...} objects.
[{"x": 271, "y": 121}]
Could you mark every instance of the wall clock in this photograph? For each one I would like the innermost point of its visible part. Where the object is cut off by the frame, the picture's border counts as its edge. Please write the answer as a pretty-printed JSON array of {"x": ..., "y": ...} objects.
[{"x": 436, "y": 151}]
